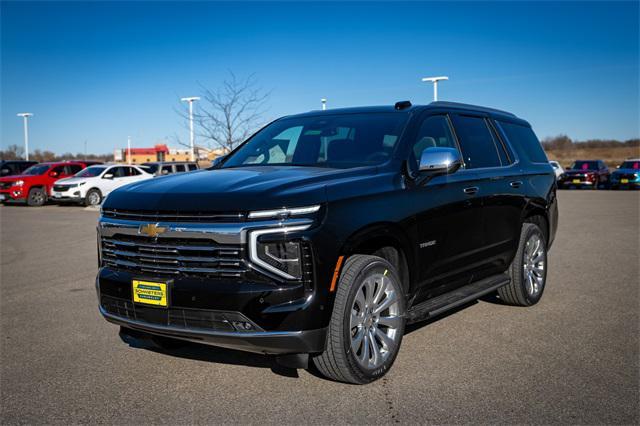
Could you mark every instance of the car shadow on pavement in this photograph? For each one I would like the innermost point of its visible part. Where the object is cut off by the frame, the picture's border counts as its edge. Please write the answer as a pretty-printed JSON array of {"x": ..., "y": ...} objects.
[{"x": 208, "y": 353}]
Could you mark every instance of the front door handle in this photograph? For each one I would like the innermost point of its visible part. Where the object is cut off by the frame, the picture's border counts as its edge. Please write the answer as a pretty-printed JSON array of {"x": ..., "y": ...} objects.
[
  {"x": 515, "y": 184},
  {"x": 472, "y": 190}
]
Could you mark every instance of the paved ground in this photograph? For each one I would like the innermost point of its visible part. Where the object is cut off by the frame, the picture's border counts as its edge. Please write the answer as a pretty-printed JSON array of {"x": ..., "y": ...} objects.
[{"x": 573, "y": 358}]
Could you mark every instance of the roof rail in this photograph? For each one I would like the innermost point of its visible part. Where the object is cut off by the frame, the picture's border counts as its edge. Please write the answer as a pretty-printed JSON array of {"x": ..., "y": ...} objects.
[{"x": 468, "y": 106}]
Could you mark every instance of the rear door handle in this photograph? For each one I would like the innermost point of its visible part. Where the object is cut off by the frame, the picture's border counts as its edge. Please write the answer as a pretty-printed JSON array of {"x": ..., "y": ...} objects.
[
  {"x": 472, "y": 190},
  {"x": 515, "y": 184}
]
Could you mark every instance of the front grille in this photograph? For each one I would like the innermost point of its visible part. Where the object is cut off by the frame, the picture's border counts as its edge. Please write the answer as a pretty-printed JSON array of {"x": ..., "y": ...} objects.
[
  {"x": 173, "y": 216},
  {"x": 178, "y": 317},
  {"x": 173, "y": 256},
  {"x": 60, "y": 188}
]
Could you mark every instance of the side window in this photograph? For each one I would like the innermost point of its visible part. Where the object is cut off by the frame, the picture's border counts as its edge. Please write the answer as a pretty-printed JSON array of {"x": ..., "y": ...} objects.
[
  {"x": 180, "y": 168},
  {"x": 59, "y": 170},
  {"x": 476, "y": 142},
  {"x": 133, "y": 171},
  {"x": 434, "y": 132},
  {"x": 119, "y": 172},
  {"x": 193, "y": 167},
  {"x": 74, "y": 168},
  {"x": 166, "y": 169},
  {"x": 523, "y": 137}
]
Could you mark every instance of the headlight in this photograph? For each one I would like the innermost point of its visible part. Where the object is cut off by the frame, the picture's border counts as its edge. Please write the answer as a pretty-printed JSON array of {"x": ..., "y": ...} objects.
[
  {"x": 18, "y": 183},
  {"x": 281, "y": 257}
]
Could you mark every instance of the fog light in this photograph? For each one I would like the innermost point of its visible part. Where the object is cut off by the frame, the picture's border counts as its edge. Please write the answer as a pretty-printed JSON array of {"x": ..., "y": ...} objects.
[{"x": 77, "y": 193}]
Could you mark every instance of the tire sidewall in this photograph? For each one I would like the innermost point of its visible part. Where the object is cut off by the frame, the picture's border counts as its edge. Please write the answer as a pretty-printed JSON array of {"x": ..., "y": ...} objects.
[
  {"x": 532, "y": 300},
  {"x": 33, "y": 191},
  {"x": 93, "y": 191},
  {"x": 379, "y": 266}
]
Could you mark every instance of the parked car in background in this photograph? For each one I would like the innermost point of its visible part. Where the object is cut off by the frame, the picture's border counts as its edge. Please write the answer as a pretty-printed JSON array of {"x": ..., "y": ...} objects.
[
  {"x": 161, "y": 168},
  {"x": 92, "y": 184},
  {"x": 34, "y": 185},
  {"x": 325, "y": 233},
  {"x": 557, "y": 168},
  {"x": 627, "y": 175},
  {"x": 14, "y": 167},
  {"x": 585, "y": 173}
]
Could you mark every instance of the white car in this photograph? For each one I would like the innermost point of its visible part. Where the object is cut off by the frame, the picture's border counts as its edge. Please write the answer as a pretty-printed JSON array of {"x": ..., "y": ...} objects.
[
  {"x": 557, "y": 168},
  {"x": 92, "y": 184}
]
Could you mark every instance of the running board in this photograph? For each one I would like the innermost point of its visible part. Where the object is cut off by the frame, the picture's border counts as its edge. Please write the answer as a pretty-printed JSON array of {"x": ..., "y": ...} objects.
[{"x": 460, "y": 296}]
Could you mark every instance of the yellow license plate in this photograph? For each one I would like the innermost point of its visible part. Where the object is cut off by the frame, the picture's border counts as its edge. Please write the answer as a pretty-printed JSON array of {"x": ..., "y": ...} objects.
[
  {"x": 150, "y": 293},
  {"x": 576, "y": 181},
  {"x": 624, "y": 180}
]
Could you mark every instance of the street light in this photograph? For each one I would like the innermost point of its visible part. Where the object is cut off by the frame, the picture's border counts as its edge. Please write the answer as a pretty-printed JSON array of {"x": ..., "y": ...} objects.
[
  {"x": 191, "y": 135},
  {"x": 435, "y": 81},
  {"x": 25, "y": 117},
  {"x": 324, "y": 103}
]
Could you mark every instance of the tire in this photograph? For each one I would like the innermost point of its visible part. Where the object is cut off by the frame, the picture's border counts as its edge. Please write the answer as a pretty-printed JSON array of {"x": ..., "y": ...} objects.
[
  {"x": 37, "y": 197},
  {"x": 354, "y": 314},
  {"x": 528, "y": 270},
  {"x": 93, "y": 197}
]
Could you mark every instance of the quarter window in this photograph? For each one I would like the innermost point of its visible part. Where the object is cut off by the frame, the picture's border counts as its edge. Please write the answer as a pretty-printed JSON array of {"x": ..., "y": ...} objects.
[
  {"x": 476, "y": 142},
  {"x": 180, "y": 168},
  {"x": 523, "y": 137}
]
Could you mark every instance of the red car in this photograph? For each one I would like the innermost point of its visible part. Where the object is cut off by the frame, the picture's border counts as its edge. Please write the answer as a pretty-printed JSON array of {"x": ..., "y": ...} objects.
[
  {"x": 33, "y": 186},
  {"x": 585, "y": 174}
]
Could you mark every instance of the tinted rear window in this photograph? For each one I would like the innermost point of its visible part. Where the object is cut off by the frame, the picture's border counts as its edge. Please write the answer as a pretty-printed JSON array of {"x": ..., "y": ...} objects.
[
  {"x": 524, "y": 137},
  {"x": 476, "y": 142}
]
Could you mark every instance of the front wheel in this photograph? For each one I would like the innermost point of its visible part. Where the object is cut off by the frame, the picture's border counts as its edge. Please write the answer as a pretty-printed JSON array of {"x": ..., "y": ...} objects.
[
  {"x": 37, "y": 197},
  {"x": 93, "y": 198},
  {"x": 367, "y": 322}
]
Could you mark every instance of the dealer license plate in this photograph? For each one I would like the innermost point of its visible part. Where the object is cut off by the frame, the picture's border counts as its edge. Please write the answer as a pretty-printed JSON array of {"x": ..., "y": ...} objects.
[
  {"x": 150, "y": 293},
  {"x": 576, "y": 181},
  {"x": 624, "y": 180}
]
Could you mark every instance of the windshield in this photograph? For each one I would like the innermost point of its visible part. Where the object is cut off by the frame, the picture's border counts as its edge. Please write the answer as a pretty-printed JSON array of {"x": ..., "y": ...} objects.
[
  {"x": 38, "y": 169},
  {"x": 635, "y": 165},
  {"x": 92, "y": 171},
  {"x": 585, "y": 165},
  {"x": 336, "y": 141}
]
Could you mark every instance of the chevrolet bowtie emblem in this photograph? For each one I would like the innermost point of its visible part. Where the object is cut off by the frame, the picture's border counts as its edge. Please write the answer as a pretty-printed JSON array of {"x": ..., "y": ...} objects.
[{"x": 151, "y": 230}]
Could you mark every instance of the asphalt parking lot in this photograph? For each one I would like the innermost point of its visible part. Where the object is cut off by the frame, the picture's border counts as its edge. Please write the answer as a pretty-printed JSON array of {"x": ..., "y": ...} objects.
[{"x": 573, "y": 358}]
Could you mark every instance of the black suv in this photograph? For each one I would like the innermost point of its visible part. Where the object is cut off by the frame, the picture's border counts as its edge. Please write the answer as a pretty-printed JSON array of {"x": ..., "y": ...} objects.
[{"x": 325, "y": 233}]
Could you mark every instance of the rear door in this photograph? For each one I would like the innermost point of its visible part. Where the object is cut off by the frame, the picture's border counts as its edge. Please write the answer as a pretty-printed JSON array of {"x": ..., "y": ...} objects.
[{"x": 500, "y": 190}]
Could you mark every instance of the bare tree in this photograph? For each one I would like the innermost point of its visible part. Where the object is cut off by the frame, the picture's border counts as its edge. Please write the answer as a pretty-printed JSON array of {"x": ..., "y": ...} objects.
[{"x": 227, "y": 116}]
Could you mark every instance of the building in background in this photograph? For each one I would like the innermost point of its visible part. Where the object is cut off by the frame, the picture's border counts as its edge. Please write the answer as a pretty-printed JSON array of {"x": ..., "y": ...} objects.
[{"x": 159, "y": 152}]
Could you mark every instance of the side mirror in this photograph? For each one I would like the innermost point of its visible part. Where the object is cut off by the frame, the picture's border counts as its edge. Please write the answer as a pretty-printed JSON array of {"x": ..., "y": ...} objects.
[
  {"x": 53, "y": 174},
  {"x": 436, "y": 161},
  {"x": 217, "y": 161},
  {"x": 108, "y": 176}
]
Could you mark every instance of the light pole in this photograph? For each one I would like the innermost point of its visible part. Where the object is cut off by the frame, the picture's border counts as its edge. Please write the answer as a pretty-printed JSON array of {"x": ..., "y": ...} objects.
[
  {"x": 435, "y": 81},
  {"x": 191, "y": 135},
  {"x": 128, "y": 149},
  {"x": 25, "y": 117},
  {"x": 324, "y": 103}
]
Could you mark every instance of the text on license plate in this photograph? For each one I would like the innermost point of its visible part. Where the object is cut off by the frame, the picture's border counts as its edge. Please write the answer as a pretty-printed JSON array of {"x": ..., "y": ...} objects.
[{"x": 150, "y": 293}]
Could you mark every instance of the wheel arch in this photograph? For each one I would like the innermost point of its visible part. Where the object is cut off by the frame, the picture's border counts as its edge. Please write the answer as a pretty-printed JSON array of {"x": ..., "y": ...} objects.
[{"x": 388, "y": 241}]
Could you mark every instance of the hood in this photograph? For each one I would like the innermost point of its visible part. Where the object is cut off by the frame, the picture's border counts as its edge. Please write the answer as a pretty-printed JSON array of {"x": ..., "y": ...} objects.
[
  {"x": 72, "y": 180},
  {"x": 14, "y": 178},
  {"x": 579, "y": 172},
  {"x": 231, "y": 190},
  {"x": 626, "y": 171}
]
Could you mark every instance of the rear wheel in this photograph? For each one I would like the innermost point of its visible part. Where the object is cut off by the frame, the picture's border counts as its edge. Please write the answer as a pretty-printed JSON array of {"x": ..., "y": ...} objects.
[
  {"x": 529, "y": 268},
  {"x": 367, "y": 322},
  {"x": 37, "y": 197},
  {"x": 93, "y": 197}
]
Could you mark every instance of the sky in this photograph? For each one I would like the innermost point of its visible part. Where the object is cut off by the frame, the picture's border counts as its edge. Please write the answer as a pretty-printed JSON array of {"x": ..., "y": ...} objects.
[{"x": 101, "y": 71}]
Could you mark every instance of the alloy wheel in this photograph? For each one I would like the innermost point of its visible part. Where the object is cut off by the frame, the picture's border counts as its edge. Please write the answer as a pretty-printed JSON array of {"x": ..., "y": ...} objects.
[
  {"x": 534, "y": 264},
  {"x": 375, "y": 320},
  {"x": 94, "y": 198}
]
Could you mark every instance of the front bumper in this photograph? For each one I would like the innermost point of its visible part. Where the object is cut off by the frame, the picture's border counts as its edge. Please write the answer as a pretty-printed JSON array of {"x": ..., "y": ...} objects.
[
  {"x": 266, "y": 342},
  {"x": 13, "y": 194}
]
